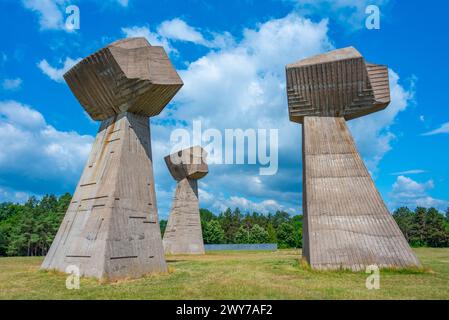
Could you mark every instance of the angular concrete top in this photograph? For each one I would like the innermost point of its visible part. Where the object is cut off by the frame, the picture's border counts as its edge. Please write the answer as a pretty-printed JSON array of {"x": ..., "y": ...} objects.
[
  {"x": 127, "y": 75},
  {"x": 188, "y": 163},
  {"x": 336, "y": 55},
  {"x": 339, "y": 83}
]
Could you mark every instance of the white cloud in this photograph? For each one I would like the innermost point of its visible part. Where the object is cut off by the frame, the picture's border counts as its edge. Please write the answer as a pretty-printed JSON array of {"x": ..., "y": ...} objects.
[
  {"x": 443, "y": 129},
  {"x": 56, "y": 74},
  {"x": 152, "y": 37},
  {"x": 408, "y": 172},
  {"x": 178, "y": 29},
  {"x": 33, "y": 152},
  {"x": 219, "y": 203},
  {"x": 372, "y": 133},
  {"x": 254, "y": 95},
  {"x": 265, "y": 206},
  {"x": 243, "y": 86},
  {"x": 12, "y": 84},
  {"x": 9, "y": 195},
  {"x": 20, "y": 115},
  {"x": 49, "y": 12},
  {"x": 204, "y": 196},
  {"x": 409, "y": 193}
]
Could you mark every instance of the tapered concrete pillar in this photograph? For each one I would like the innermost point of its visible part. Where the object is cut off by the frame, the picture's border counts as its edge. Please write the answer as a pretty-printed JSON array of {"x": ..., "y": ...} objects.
[
  {"x": 346, "y": 223},
  {"x": 111, "y": 228},
  {"x": 183, "y": 234}
]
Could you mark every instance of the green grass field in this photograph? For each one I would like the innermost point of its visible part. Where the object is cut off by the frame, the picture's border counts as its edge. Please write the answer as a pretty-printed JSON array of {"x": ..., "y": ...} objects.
[{"x": 233, "y": 275}]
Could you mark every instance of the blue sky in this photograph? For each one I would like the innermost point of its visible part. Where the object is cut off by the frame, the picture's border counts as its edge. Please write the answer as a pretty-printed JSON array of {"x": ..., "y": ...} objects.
[{"x": 231, "y": 56}]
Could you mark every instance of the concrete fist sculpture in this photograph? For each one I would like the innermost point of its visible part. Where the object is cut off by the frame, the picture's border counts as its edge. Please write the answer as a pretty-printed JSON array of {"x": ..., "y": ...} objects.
[
  {"x": 183, "y": 234},
  {"x": 111, "y": 228}
]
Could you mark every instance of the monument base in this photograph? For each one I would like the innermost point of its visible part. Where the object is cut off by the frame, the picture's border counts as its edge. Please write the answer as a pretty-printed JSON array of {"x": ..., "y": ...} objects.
[
  {"x": 111, "y": 228},
  {"x": 346, "y": 223},
  {"x": 183, "y": 234}
]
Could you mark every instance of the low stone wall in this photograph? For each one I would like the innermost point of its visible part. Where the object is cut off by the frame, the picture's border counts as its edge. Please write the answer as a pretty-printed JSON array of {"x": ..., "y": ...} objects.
[{"x": 241, "y": 247}]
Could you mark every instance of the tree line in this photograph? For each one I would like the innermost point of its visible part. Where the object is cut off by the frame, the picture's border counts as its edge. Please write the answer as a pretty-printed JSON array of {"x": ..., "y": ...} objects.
[
  {"x": 29, "y": 229},
  {"x": 235, "y": 227},
  {"x": 424, "y": 227}
]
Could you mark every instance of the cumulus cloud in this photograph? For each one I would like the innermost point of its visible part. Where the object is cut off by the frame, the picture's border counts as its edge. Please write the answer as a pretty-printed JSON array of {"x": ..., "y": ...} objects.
[
  {"x": 243, "y": 86},
  {"x": 174, "y": 30},
  {"x": 178, "y": 29},
  {"x": 444, "y": 128},
  {"x": 219, "y": 203},
  {"x": 12, "y": 84},
  {"x": 35, "y": 155},
  {"x": 9, "y": 195},
  {"x": 54, "y": 73},
  {"x": 49, "y": 12},
  {"x": 265, "y": 206},
  {"x": 407, "y": 192}
]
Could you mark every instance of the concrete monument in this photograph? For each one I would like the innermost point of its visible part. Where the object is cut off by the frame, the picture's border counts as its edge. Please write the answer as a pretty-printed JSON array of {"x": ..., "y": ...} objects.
[
  {"x": 346, "y": 223},
  {"x": 183, "y": 234},
  {"x": 111, "y": 228}
]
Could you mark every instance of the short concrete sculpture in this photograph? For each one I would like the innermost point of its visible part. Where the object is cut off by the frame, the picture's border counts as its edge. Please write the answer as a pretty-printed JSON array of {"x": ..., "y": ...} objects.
[
  {"x": 346, "y": 223},
  {"x": 183, "y": 234},
  {"x": 111, "y": 228}
]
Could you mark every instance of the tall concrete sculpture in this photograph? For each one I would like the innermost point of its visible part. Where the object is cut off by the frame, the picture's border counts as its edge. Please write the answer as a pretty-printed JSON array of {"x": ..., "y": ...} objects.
[
  {"x": 183, "y": 234},
  {"x": 346, "y": 223},
  {"x": 111, "y": 227}
]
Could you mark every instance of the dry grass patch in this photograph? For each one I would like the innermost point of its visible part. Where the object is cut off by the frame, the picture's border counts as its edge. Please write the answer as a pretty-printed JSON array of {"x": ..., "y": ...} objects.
[{"x": 233, "y": 275}]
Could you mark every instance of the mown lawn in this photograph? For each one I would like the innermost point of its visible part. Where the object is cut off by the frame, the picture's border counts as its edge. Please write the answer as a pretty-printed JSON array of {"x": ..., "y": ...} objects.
[{"x": 233, "y": 275}]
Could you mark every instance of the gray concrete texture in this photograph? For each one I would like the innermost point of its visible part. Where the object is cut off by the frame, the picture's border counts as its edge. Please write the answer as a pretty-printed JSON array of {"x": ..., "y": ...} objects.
[
  {"x": 128, "y": 75},
  {"x": 111, "y": 229},
  {"x": 183, "y": 234},
  {"x": 346, "y": 223},
  {"x": 336, "y": 84}
]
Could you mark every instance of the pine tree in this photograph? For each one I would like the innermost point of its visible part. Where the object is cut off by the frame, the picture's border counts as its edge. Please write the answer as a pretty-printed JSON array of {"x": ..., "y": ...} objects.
[
  {"x": 286, "y": 235},
  {"x": 230, "y": 222},
  {"x": 258, "y": 234},
  {"x": 417, "y": 232},
  {"x": 436, "y": 234},
  {"x": 212, "y": 232},
  {"x": 242, "y": 236},
  {"x": 404, "y": 218},
  {"x": 272, "y": 238}
]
